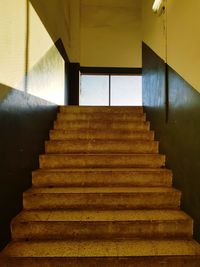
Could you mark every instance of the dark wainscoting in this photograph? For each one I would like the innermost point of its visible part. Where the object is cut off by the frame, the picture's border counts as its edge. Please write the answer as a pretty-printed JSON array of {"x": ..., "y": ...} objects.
[
  {"x": 74, "y": 83},
  {"x": 72, "y": 76},
  {"x": 63, "y": 53},
  {"x": 179, "y": 134},
  {"x": 25, "y": 121}
]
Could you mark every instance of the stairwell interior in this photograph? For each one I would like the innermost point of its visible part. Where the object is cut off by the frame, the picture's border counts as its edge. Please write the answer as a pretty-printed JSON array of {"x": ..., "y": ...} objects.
[{"x": 102, "y": 197}]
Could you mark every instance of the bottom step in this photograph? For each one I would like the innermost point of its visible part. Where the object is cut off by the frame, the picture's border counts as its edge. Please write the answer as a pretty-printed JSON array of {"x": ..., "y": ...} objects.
[{"x": 151, "y": 253}]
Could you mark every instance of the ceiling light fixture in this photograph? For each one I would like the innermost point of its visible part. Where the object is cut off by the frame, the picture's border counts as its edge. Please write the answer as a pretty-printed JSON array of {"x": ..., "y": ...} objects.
[{"x": 158, "y": 7}]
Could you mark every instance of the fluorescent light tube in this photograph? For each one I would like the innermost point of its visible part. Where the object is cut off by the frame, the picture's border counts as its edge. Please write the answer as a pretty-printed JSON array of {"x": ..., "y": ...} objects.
[{"x": 157, "y": 5}]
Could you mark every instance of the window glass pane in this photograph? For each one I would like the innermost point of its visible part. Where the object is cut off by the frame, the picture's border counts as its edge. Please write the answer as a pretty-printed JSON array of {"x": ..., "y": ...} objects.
[
  {"x": 126, "y": 90},
  {"x": 94, "y": 90}
]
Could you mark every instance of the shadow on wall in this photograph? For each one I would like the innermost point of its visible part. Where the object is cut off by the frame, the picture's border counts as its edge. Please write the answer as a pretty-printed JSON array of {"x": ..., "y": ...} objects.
[{"x": 25, "y": 121}]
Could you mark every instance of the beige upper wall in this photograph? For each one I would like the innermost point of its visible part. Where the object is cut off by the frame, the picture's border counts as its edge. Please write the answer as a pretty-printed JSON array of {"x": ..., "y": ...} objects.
[
  {"x": 183, "y": 41},
  {"x": 153, "y": 29},
  {"x": 12, "y": 41},
  {"x": 111, "y": 33},
  {"x": 181, "y": 47}
]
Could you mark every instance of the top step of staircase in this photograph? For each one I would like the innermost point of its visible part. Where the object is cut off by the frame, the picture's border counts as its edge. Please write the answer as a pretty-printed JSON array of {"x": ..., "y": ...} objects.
[{"x": 111, "y": 109}]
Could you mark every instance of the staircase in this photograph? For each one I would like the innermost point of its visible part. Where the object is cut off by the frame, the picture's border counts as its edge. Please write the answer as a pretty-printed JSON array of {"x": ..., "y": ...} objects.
[{"x": 102, "y": 197}]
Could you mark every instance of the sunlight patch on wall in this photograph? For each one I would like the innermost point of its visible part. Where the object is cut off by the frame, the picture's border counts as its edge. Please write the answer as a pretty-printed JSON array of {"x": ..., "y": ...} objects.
[{"x": 27, "y": 48}]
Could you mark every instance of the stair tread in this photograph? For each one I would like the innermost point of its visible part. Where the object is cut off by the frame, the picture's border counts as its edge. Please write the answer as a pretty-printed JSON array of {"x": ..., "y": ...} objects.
[
  {"x": 89, "y": 160},
  {"x": 94, "y": 141},
  {"x": 104, "y": 170},
  {"x": 104, "y": 130},
  {"x": 105, "y": 248},
  {"x": 135, "y": 120},
  {"x": 109, "y": 109},
  {"x": 112, "y": 125},
  {"x": 103, "y": 155},
  {"x": 99, "y": 112},
  {"x": 106, "y": 154},
  {"x": 102, "y": 177},
  {"x": 98, "y": 116},
  {"x": 104, "y": 134},
  {"x": 101, "y": 122},
  {"x": 99, "y": 190},
  {"x": 101, "y": 215},
  {"x": 100, "y": 146}
]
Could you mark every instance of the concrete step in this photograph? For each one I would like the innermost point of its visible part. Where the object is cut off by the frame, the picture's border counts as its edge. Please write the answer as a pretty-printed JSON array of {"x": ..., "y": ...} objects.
[
  {"x": 102, "y": 177},
  {"x": 112, "y": 125},
  {"x": 67, "y": 116},
  {"x": 85, "y": 224},
  {"x": 101, "y": 146},
  {"x": 102, "y": 160},
  {"x": 100, "y": 253},
  {"x": 101, "y": 197},
  {"x": 101, "y": 109},
  {"x": 100, "y": 134}
]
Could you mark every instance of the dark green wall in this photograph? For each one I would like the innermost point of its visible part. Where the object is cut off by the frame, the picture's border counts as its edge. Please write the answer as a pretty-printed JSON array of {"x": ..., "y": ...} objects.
[
  {"x": 25, "y": 121},
  {"x": 74, "y": 81},
  {"x": 173, "y": 107}
]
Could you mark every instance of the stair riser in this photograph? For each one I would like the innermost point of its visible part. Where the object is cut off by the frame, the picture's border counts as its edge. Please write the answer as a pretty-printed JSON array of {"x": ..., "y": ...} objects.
[
  {"x": 135, "y": 126},
  {"x": 101, "y": 147},
  {"x": 100, "y": 230},
  {"x": 94, "y": 109},
  {"x": 101, "y": 200},
  {"x": 91, "y": 161},
  {"x": 101, "y": 135},
  {"x": 105, "y": 178},
  {"x": 160, "y": 261},
  {"x": 101, "y": 116}
]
